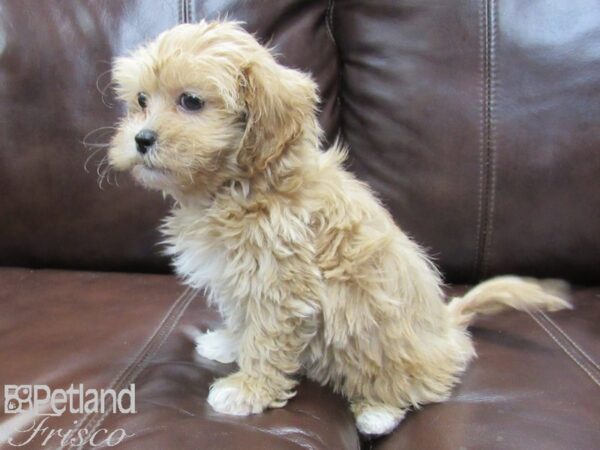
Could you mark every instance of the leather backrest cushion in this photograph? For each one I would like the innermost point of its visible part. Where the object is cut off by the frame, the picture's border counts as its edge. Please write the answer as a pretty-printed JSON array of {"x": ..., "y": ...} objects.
[
  {"x": 475, "y": 121},
  {"x": 478, "y": 123},
  {"x": 53, "y": 56},
  {"x": 435, "y": 126}
]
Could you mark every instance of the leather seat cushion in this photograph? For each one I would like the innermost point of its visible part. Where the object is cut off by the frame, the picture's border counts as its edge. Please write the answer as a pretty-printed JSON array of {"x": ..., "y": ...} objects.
[
  {"x": 534, "y": 384},
  {"x": 110, "y": 330}
]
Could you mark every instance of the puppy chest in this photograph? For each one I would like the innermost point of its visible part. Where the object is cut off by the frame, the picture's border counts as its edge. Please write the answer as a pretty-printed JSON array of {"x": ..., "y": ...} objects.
[
  {"x": 200, "y": 264},
  {"x": 198, "y": 258}
]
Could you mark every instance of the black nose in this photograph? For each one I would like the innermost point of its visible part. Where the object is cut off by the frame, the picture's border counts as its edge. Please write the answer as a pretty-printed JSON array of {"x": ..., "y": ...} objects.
[{"x": 145, "y": 139}]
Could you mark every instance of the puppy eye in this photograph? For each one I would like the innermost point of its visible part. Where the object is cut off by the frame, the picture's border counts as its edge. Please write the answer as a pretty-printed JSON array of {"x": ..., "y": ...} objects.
[
  {"x": 190, "y": 102},
  {"x": 142, "y": 100}
]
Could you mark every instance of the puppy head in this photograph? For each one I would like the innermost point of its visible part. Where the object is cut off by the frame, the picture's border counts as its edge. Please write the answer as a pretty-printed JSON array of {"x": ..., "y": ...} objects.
[{"x": 205, "y": 104}]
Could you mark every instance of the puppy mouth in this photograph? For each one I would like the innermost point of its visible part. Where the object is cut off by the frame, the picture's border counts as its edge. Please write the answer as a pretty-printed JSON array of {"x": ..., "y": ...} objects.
[
  {"x": 149, "y": 168},
  {"x": 152, "y": 177}
]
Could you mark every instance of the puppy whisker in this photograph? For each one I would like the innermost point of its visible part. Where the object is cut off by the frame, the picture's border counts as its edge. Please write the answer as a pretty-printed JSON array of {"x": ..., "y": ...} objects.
[
  {"x": 104, "y": 171},
  {"x": 115, "y": 177},
  {"x": 104, "y": 90},
  {"x": 95, "y": 145},
  {"x": 90, "y": 157},
  {"x": 98, "y": 133}
]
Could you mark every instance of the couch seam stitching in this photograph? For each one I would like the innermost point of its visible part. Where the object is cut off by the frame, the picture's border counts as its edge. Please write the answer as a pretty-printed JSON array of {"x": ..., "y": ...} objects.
[
  {"x": 190, "y": 19},
  {"x": 163, "y": 331},
  {"x": 493, "y": 74},
  {"x": 185, "y": 8},
  {"x": 329, "y": 21},
  {"x": 571, "y": 341},
  {"x": 148, "y": 349},
  {"x": 565, "y": 350},
  {"x": 482, "y": 100},
  {"x": 487, "y": 164},
  {"x": 338, "y": 97}
]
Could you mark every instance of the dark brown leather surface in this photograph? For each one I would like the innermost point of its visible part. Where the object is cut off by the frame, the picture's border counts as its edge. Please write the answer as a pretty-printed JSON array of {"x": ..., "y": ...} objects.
[
  {"x": 475, "y": 121},
  {"x": 54, "y": 58},
  {"x": 544, "y": 206},
  {"x": 411, "y": 114},
  {"x": 64, "y": 327},
  {"x": 534, "y": 386}
]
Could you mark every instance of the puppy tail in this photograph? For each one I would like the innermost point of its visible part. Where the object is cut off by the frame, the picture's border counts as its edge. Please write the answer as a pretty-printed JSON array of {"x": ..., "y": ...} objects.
[{"x": 501, "y": 293}]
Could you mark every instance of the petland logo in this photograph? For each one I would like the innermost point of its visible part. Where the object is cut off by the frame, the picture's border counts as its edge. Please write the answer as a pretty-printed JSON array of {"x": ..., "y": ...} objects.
[
  {"x": 76, "y": 400},
  {"x": 34, "y": 401}
]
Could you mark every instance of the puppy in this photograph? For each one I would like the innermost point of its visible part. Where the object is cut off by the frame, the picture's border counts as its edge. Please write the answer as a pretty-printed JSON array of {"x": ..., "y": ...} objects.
[{"x": 308, "y": 270}]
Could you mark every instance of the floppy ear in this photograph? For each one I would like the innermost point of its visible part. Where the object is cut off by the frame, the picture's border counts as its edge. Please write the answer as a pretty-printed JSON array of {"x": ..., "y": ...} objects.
[{"x": 280, "y": 105}]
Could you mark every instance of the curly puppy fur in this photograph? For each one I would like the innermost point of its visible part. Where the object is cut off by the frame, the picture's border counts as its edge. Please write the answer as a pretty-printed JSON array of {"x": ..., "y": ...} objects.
[{"x": 309, "y": 271}]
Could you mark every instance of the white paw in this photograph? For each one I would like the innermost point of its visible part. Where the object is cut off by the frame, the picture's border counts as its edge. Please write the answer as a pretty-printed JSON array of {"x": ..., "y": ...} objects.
[
  {"x": 378, "y": 421},
  {"x": 227, "y": 398},
  {"x": 217, "y": 345}
]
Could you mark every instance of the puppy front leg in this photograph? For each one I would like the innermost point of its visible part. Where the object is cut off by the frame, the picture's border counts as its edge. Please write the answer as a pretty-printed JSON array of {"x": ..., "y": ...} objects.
[{"x": 270, "y": 350}]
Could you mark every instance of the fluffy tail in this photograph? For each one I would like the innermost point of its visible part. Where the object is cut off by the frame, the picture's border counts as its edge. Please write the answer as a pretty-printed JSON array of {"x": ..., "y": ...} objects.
[{"x": 500, "y": 293}]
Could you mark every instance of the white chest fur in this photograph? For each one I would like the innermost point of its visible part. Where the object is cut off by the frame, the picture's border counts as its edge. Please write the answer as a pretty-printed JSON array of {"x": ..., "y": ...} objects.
[
  {"x": 197, "y": 257},
  {"x": 201, "y": 260},
  {"x": 201, "y": 257}
]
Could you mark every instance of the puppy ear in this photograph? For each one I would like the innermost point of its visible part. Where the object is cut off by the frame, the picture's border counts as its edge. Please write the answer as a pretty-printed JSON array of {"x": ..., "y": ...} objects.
[{"x": 280, "y": 105}]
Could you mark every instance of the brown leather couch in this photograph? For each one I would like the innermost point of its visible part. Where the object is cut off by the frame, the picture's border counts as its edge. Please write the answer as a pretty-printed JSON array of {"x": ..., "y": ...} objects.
[{"x": 477, "y": 121}]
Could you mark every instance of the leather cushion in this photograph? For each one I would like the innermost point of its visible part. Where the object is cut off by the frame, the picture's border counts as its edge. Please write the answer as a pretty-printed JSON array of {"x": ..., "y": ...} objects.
[
  {"x": 534, "y": 385},
  {"x": 109, "y": 330},
  {"x": 54, "y": 59},
  {"x": 474, "y": 120}
]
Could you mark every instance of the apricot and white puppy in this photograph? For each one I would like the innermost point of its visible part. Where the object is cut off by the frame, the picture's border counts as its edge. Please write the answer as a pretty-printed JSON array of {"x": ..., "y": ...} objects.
[{"x": 309, "y": 271}]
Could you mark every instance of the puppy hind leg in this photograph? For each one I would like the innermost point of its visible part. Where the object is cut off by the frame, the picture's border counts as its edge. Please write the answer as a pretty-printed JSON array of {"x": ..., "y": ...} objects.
[{"x": 376, "y": 419}]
